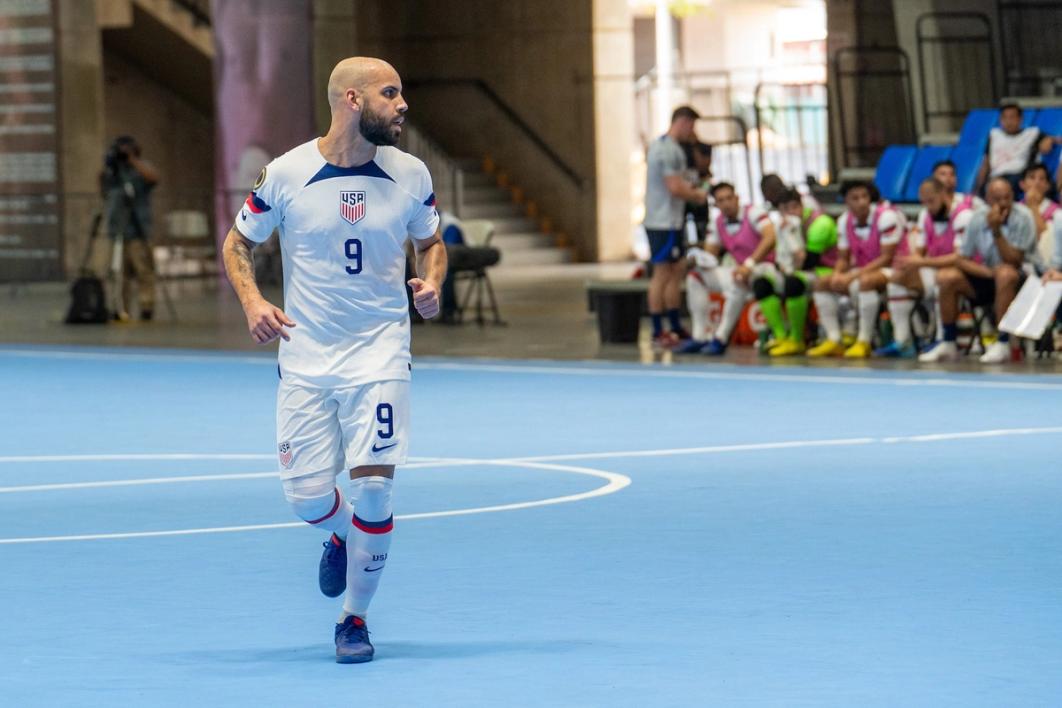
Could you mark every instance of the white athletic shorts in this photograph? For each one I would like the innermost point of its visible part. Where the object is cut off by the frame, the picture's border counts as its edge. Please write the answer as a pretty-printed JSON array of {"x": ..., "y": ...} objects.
[{"x": 337, "y": 429}]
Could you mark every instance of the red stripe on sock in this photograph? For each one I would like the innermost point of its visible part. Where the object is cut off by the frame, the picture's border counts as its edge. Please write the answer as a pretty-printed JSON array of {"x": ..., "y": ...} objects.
[
  {"x": 373, "y": 527},
  {"x": 329, "y": 515}
]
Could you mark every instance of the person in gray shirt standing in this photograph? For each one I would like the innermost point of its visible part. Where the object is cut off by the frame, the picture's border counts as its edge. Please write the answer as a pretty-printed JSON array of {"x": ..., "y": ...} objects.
[
  {"x": 999, "y": 241},
  {"x": 666, "y": 192}
]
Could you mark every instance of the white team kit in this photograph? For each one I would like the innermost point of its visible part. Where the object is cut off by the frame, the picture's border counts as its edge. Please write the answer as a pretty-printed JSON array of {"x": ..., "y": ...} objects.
[{"x": 343, "y": 398}]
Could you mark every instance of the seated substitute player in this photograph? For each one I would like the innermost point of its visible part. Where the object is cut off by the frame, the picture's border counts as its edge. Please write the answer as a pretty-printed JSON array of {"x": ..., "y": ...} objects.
[
  {"x": 1036, "y": 185},
  {"x": 944, "y": 172},
  {"x": 345, "y": 205},
  {"x": 868, "y": 233},
  {"x": 1003, "y": 239},
  {"x": 749, "y": 237},
  {"x": 817, "y": 236},
  {"x": 935, "y": 238},
  {"x": 1054, "y": 272}
]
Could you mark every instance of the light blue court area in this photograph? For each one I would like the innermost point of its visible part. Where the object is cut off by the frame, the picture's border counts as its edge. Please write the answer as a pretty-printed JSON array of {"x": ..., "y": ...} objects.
[{"x": 569, "y": 535}]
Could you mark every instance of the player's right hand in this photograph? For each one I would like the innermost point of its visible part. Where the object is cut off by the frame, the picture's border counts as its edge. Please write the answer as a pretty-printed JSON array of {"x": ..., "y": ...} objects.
[{"x": 266, "y": 322}]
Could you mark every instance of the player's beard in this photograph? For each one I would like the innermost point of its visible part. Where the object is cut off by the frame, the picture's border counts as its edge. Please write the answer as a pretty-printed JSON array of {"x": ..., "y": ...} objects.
[{"x": 377, "y": 129}]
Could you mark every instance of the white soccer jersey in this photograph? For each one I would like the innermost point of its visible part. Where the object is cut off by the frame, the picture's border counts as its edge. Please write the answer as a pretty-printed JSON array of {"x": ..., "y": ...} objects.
[
  {"x": 890, "y": 228},
  {"x": 342, "y": 237},
  {"x": 758, "y": 218},
  {"x": 918, "y": 237}
]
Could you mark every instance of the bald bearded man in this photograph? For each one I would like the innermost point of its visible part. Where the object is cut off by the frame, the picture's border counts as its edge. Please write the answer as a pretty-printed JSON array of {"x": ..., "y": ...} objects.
[{"x": 345, "y": 206}]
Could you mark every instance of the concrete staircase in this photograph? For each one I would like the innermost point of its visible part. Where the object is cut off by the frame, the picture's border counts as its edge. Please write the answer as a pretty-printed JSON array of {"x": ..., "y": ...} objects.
[{"x": 518, "y": 237}]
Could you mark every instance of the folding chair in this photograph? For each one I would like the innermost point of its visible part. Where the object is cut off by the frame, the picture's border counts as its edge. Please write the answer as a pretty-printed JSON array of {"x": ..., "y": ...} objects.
[{"x": 478, "y": 233}]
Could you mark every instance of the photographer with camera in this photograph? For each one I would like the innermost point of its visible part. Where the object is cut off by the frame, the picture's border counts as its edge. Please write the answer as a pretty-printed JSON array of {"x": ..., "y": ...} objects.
[{"x": 126, "y": 183}]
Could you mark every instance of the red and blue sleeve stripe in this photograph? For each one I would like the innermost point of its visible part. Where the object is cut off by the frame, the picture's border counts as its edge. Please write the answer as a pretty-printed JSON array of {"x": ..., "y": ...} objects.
[{"x": 256, "y": 205}]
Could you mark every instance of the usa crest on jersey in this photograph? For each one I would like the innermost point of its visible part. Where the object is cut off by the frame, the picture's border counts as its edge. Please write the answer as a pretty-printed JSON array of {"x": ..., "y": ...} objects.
[{"x": 352, "y": 206}]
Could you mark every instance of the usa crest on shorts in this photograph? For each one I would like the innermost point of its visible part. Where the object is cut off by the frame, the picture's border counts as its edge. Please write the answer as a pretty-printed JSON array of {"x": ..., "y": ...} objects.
[
  {"x": 352, "y": 206},
  {"x": 285, "y": 454}
]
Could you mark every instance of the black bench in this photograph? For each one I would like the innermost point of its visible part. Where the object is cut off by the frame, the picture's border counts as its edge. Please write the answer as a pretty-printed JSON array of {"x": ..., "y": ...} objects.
[{"x": 620, "y": 306}]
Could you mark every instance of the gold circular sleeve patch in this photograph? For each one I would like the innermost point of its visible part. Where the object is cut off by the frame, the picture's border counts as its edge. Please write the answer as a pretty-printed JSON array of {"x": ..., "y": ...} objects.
[{"x": 261, "y": 179}]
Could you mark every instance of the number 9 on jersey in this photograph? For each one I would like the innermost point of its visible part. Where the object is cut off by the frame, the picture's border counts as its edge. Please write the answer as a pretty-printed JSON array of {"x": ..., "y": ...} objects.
[{"x": 353, "y": 248}]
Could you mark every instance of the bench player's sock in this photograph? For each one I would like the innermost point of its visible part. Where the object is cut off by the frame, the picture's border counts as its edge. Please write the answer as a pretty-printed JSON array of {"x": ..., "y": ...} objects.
[
  {"x": 869, "y": 304},
  {"x": 368, "y": 541},
  {"x": 901, "y": 305},
  {"x": 771, "y": 307},
  {"x": 826, "y": 305},
  {"x": 797, "y": 310}
]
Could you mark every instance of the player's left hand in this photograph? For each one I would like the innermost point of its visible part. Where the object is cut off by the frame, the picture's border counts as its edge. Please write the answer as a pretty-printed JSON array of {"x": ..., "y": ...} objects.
[
  {"x": 425, "y": 297},
  {"x": 741, "y": 274}
]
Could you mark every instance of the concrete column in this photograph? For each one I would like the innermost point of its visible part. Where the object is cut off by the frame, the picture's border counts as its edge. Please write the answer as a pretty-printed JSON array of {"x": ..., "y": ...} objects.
[
  {"x": 263, "y": 84},
  {"x": 333, "y": 40},
  {"x": 665, "y": 70},
  {"x": 81, "y": 128},
  {"x": 613, "y": 91}
]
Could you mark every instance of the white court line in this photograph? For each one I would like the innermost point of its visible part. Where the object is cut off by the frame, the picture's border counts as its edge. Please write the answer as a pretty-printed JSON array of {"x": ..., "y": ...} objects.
[
  {"x": 184, "y": 479},
  {"x": 614, "y": 483},
  {"x": 885, "y": 379},
  {"x": 521, "y": 461},
  {"x": 159, "y": 456},
  {"x": 731, "y": 375},
  {"x": 998, "y": 433}
]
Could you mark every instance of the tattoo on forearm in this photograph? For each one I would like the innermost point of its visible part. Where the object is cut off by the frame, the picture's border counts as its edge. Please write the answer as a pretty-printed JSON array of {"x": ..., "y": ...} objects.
[{"x": 239, "y": 264}]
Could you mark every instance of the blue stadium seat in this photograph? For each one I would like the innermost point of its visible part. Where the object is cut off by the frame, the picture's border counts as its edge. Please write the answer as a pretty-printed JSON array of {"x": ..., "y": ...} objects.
[
  {"x": 893, "y": 168},
  {"x": 1051, "y": 160},
  {"x": 928, "y": 155},
  {"x": 967, "y": 159},
  {"x": 1049, "y": 120},
  {"x": 975, "y": 128}
]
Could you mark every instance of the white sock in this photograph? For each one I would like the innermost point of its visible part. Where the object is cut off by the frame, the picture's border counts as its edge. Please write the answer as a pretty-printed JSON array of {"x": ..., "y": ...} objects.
[
  {"x": 826, "y": 306},
  {"x": 735, "y": 303},
  {"x": 368, "y": 541},
  {"x": 319, "y": 502},
  {"x": 869, "y": 304},
  {"x": 698, "y": 305},
  {"x": 901, "y": 305}
]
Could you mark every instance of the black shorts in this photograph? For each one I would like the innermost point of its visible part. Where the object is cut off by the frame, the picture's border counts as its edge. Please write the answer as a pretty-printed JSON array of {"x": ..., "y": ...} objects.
[
  {"x": 666, "y": 245},
  {"x": 985, "y": 289}
]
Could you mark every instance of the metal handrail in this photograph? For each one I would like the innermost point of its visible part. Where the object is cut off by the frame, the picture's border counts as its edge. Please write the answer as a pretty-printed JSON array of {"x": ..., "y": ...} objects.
[
  {"x": 447, "y": 176},
  {"x": 514, "y": 118}
]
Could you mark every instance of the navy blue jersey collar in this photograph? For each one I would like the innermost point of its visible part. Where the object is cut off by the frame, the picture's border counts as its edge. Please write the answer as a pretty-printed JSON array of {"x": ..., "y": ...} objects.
[{"x": 369, "y": 169}]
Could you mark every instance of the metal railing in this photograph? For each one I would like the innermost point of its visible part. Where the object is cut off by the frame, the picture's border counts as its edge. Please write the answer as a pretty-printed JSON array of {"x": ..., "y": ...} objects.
[
  {"x": 512, "y": 117},
  {"x": 874, "y": 104},
  {"x": 792, "y": 130},
  {"x": 1029, "y": 31},
  {"x": 447, "y": 176},
  {"x": 785, "y": 105},
  {"x": 729, "y": 152},
  {"x": 956, "y": 67}
]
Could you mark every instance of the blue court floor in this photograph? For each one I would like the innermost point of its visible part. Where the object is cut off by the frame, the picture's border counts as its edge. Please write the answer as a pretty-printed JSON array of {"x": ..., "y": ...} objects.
[{"x": 569, "y": 535}]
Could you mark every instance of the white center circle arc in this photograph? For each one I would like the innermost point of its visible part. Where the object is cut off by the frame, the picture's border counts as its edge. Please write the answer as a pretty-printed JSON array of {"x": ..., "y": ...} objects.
[{"x": 614, "y": 482}]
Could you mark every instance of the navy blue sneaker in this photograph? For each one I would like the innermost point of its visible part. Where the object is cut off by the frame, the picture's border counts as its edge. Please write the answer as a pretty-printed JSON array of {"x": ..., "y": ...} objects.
[
  {"x": 690, "y": 346},
  {"x": 332, "y": 573},
  {"x": 352, "y": 642},
  {"x": 714, "y": 348}
]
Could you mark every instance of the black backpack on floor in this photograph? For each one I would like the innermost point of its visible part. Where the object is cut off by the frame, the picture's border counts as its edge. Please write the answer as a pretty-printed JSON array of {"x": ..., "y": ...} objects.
[{"x": 88, "y": 303}]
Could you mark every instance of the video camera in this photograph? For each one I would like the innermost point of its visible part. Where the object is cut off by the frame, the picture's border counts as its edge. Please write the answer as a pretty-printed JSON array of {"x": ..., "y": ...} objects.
[{"x": 116, "y": 155}]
